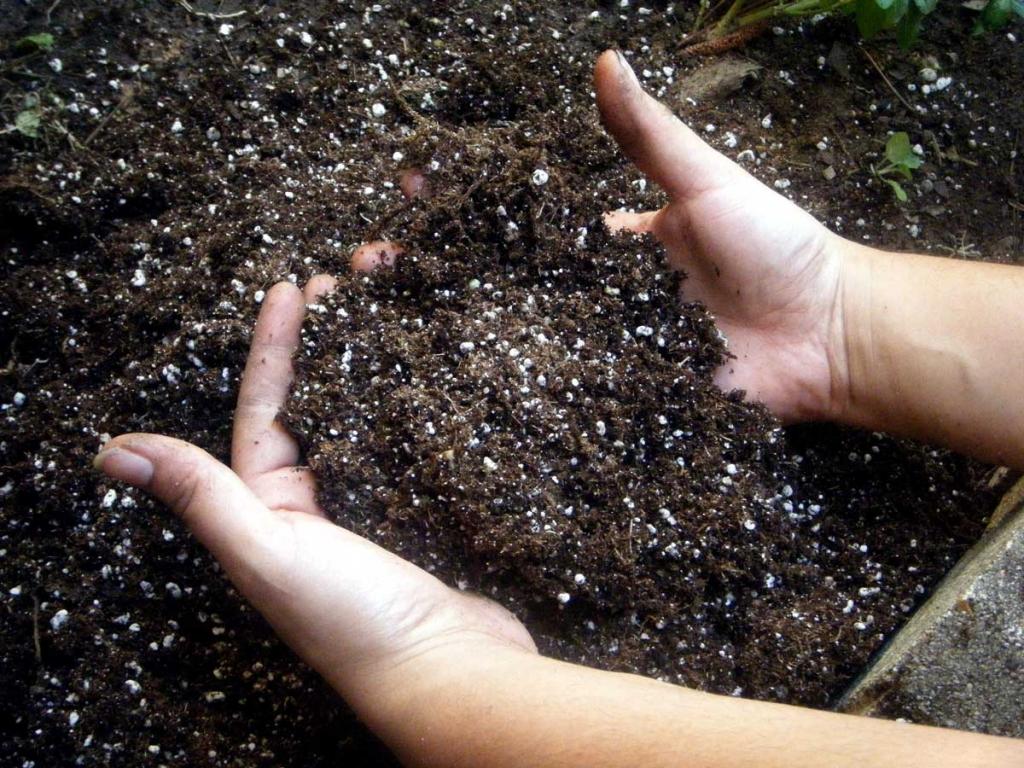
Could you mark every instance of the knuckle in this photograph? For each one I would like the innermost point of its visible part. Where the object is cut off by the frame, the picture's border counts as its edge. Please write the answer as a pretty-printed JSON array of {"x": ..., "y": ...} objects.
[{"x": 185, "y": 490}]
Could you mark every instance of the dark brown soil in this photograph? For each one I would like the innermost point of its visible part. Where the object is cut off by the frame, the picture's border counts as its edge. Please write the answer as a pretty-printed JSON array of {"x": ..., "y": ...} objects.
[{"x": 132, "y": 256}]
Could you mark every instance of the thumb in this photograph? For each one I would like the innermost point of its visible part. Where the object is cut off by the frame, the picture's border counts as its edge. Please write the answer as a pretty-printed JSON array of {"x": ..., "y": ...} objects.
[
  {"x": 652, "y": 137},
  {"x": 221, "y": 511}
]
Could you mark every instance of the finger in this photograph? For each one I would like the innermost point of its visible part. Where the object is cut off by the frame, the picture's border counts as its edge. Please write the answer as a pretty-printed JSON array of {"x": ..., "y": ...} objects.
[
  {"x": 368, "y": 256},
  {"x": 652, "y": 137},
  {"x": 619, "y": 221},
  {"x": 318, "y": 287},
  {"x": 291, "y": 488},
  {"x": 224, "y": 514},
  {"x": 413, "y": 183},
  {"x": 260, "y": 443}
]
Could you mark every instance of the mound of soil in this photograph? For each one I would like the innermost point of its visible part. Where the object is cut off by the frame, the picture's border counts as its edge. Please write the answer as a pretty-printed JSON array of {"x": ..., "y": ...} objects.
[
  {"x": 185, "y": 164},
  {"x": 523, "y": 407}
]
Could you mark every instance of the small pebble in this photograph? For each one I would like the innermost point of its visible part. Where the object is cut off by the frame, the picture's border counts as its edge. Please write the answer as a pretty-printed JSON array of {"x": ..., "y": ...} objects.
[
  {"x": 58, "y": 620},
  {"x": 539, "y": 177}
]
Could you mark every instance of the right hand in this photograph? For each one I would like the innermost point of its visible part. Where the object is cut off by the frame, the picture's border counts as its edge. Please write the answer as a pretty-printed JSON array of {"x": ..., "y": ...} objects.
[{"x": 770, "y": 273}]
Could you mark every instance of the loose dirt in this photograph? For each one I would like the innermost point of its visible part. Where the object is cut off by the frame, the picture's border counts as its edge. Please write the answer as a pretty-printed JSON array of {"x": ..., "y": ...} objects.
[{"x": 187, "y": 166}]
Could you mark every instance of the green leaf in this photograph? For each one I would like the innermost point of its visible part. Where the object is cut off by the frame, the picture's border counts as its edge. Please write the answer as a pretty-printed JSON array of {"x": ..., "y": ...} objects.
[
  {"x": 995, "y": 16},
  {"x": 873, "y": 17},
  {"x": 41, "y": 41},
  {"x": 897, "y": 11},
  {"x": 1018, "y": 7},
  {"x": 909, "y": 27},
  {"x": 897, "y": 148},
  {"x": 901, "y": 194},
  {"x": 870, "y": 18},
  {"x": 925, "y": 6},
  {"x": 913, "y": 162},
  {"x": 27, "y": 123}
]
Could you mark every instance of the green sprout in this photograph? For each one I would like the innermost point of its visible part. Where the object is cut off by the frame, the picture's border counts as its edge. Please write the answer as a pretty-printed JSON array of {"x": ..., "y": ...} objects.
[
  {"x": 27, "y": 122},
  {"x": 901, "y": 161},
  {"x": 41, "y": 41}
]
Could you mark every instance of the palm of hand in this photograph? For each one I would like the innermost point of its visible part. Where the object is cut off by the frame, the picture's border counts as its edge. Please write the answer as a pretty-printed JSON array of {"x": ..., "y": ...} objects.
[
  {"x": 765, "y": 269},
  {"x": 352, "y": 610},
  {"x": 768, "y": 271}
]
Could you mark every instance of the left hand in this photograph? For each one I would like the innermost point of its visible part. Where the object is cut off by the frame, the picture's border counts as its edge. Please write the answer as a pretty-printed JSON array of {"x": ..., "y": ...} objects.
[{"x": 356, "y": 613}]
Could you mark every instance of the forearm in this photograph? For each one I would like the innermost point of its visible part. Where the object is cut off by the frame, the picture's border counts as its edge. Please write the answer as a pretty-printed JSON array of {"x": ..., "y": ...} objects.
[
  {"x": 510, "y": 709},
  {"x": 934, "y": 350}
]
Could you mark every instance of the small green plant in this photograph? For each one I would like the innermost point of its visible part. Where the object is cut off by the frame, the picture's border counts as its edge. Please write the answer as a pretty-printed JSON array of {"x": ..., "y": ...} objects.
[
  {"x": 904, "y": 17},
  {"x": 32, "y": 118},
  {"x": 996, "y": 14},
  {"x": 41, "y": 41},
  {"x": 901, "y": 161},
  {"x": 27, "y": 122}
]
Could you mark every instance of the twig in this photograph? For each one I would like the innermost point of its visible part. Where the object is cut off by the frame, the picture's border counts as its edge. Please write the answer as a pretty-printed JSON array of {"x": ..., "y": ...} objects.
[
  {"x": 72, "y": 141},
  {"x": 231, "y": 56},
  {"x": 209, "y": 15},
  {"x": 50, "y": 10},
  {"x": 129, "y": 94},
  {"x": 35, "y": 629},
  {"x": 888, "y": 82}
]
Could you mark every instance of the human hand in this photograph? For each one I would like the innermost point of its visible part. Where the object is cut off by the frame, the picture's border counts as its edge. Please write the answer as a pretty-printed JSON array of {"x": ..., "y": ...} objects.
[
  {"x": 362, "y": 617},
  {"x": 770, "y": 273}
]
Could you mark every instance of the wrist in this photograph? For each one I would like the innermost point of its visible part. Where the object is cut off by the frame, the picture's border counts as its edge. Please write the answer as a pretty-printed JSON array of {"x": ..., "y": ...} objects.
[
  {"x": 852, "y": 352},
  {"x": 415, "y": 706},
  {"x": 464, "y": 633}
]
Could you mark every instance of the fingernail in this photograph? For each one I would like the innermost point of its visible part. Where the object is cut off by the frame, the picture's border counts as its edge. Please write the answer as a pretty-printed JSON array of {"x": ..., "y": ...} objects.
[
  {"x": 626, "y": 69},
  {"x": 125, "y": 466}
]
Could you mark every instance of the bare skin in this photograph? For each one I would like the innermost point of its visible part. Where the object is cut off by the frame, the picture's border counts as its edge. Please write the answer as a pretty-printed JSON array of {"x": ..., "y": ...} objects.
[
  {"x": 823, "y": 328},
  {"x": 446, "y": 678}
]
